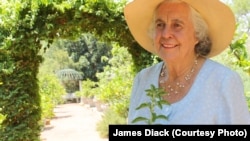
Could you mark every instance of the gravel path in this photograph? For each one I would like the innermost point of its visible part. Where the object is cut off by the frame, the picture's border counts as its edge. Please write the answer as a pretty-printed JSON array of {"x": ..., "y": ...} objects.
[{"x": 73, "y": 122}]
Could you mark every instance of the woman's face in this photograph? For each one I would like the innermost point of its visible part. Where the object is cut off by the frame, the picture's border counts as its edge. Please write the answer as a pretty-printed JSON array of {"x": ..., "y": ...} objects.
[{"x": 174, "y": 36}]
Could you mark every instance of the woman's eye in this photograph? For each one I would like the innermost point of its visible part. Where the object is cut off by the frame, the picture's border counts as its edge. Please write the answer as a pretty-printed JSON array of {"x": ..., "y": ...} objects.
[
  {"x": 177, "y": 26},
  {"x": 159, "y": 25}
]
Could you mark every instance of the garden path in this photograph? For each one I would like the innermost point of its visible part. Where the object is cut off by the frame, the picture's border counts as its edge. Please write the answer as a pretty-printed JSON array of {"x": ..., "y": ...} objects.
[{"x": 73, "y": 122}]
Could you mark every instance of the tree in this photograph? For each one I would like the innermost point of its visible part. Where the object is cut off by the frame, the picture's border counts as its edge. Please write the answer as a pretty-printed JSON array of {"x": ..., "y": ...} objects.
[
  {"x": 88, "y": 54},
  {"x": 55, "y": 58}
]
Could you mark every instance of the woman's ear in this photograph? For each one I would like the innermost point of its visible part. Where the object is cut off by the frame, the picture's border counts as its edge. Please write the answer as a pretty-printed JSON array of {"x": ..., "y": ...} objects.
[{"x": 197, "y": 41}]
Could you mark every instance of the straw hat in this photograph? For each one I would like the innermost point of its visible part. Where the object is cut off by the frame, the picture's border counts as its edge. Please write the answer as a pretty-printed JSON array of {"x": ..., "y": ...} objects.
[{"x": 219, "y": 17}]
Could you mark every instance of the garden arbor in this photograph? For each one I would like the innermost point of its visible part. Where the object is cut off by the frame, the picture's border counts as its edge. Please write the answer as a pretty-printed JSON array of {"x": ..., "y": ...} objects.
[
  {"x": 69, "y": 74},
  {"x": 70, "y": 79}
]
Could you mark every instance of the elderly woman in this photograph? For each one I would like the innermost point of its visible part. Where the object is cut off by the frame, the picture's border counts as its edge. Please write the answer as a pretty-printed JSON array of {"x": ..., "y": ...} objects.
[{"x": 185, "y": 34}]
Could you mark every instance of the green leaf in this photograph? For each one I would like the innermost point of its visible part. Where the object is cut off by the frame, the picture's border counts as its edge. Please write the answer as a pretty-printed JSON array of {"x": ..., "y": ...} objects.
[
  {"x": 162, "y": 102},
  {"x": 139, "y": 119},
  {"x": 162, "y": 117},
  {"x": 143, "y": 105}
]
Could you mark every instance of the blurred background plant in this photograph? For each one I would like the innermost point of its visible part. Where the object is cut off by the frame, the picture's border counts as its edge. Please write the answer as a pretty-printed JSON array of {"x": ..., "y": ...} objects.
[{"x": 51, "y": 93}]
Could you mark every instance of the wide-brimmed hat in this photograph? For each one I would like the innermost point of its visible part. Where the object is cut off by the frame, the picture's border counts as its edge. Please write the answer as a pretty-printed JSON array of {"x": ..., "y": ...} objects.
[{"x": 219, "y": 17}]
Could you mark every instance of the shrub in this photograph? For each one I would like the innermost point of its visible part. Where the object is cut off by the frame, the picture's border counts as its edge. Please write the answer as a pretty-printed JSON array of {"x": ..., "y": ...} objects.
[
  {"x": 51, "y": 92},
  {"x": 109, "y": 117}
]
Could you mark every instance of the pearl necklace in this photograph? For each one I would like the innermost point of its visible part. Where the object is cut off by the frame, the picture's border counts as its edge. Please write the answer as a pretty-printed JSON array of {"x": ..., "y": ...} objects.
[{"x": 179, "y": 85}]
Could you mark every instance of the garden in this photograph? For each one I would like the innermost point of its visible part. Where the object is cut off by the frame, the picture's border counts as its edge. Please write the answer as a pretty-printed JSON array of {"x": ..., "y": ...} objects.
[{"x": 40, "y": 38}]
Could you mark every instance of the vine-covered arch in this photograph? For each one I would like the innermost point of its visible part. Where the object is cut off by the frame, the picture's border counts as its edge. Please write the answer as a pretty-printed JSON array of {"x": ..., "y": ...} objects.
[{"x": 23, "y": 25}]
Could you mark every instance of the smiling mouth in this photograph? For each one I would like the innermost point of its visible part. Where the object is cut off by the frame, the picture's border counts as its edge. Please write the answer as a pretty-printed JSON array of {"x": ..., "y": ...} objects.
[{"x": 168, "y": 45}]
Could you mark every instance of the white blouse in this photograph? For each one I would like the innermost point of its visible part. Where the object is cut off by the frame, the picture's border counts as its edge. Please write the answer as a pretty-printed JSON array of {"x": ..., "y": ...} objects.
[{"x": 216, "y": 97}]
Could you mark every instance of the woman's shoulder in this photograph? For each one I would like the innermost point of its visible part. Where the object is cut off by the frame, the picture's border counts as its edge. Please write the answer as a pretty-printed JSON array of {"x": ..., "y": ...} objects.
[
  {"x": 151, "y": 69},
  {"x": 216, "y": 66},
  {"x": 212, "y": 68}
]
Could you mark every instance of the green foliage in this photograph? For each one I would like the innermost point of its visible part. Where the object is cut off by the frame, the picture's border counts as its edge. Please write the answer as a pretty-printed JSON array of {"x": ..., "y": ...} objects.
[
  {"x": 109, "y": 117},
  {"x": 87, "y": 89},
  {"x": 116, "y": 81},
  {"x": 87, "y": 53},
  {"x": 238, "y": 49},
  {"x": 156, "y": 100},
  {"x": 55, "y": 58},
  {"x": 19, "y": 97},
  {"x": 114, "y": 87},
  {"x": 2, "y": 117},
  {"x": 242, "y": 65},
  {"x": 51, "y": 92}
]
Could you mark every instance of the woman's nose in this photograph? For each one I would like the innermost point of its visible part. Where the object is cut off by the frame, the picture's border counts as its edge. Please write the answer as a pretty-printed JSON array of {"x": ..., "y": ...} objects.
[{"x": 166, "y": 33}]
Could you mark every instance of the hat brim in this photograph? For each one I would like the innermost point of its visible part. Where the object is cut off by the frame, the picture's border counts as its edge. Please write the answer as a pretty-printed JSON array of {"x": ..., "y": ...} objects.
[{"x": 219, "y": 17}]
